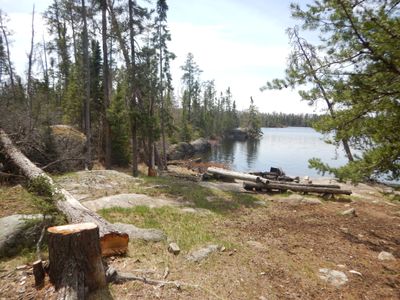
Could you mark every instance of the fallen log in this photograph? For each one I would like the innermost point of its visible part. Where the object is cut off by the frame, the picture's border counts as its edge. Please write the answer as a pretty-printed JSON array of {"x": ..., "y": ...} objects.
[
  {"x": 75, "y": 260},
  {"x": 235, "y": 175},
  {"x": 329, "y": 186},
  {"x": 294, "y": 188},
  {"x": 112, "y": 241}
]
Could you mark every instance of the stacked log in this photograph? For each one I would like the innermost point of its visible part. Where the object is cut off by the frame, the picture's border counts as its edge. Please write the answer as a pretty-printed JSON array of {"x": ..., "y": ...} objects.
[{"x": 253, "y": 182}]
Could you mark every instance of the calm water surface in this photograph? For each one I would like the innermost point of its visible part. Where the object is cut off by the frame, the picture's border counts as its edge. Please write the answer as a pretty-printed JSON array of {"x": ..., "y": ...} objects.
[{"x": 289, "y": 148}]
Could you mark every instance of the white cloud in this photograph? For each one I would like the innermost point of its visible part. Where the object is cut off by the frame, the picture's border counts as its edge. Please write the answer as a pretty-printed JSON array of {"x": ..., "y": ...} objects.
[
  {"x": 244, "y": 67},
  {"x": 20, "y": 26},
  {"x": 238, "y": 47}
]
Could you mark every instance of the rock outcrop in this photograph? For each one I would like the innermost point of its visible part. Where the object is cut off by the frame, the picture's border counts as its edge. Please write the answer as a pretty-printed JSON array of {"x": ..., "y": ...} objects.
[
  {"x": 18, "y": 232},
  {"x": 185, "y": 150},
  {"x": 240, "y": 134},
  {"x": 68, "y": 145}
]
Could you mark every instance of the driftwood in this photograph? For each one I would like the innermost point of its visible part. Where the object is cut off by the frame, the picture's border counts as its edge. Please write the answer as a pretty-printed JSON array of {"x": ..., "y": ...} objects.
[
  {"x": 75, "y": 260},
  {"x": 112, "y": 241},
  {"x": 305, "y": 188}
]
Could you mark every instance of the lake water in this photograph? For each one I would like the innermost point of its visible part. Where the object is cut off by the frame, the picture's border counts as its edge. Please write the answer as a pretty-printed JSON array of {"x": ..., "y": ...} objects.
[{"x": 289, "y": 148}]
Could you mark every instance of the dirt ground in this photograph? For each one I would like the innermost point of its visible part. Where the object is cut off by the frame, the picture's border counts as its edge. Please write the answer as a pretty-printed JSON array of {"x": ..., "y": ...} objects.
[{"x": 271, "y": 251}]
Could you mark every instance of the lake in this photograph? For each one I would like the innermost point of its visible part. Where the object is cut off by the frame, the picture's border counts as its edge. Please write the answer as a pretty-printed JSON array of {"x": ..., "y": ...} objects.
[{"x": 289, "y": 148}]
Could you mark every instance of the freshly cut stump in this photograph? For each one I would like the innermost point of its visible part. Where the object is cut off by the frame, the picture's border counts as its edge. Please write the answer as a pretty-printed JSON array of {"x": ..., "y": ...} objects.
[{"x": 75, "y": 260}]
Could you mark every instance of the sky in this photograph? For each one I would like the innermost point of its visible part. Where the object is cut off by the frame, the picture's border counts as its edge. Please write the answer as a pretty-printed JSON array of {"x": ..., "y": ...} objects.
[{"x": 240, "y": 44}]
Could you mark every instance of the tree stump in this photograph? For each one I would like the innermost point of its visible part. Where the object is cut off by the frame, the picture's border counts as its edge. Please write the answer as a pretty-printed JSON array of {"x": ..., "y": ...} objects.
[
  {"x": 75, "y": 260},
  {"x": 38, "y": 272}
]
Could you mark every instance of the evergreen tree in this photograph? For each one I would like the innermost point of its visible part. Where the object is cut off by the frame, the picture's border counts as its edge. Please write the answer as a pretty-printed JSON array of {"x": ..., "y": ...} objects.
[
  {"x": 119, "y": 124},
  {"x": 358, "y": 64},
  {"x": 254, "y": 123},
  {"x": 190, "y": 79}
]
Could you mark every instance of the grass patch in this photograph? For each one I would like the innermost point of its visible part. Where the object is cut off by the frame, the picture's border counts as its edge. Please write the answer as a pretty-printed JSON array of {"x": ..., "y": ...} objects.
[
  {"x": 217, "y": 201},
  {"x": 187, "y": 229},
  {"x": 17, "y": 200}
]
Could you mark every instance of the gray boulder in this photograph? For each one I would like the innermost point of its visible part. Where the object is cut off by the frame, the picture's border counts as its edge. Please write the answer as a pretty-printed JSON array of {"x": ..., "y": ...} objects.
[
  {"x": 135, "y": 233},
  {"x": 238, "y": 134},
  {"x": 18, "y": 232},
  {"x": 67, "y": 143},
  {"x": 383, "y": 255},
  {"x": 201, "y": 254},
  {"x": 180, "y": 151},
  {"x": 333, "y": 277},
  {"x": 200, "y": 145},
  {"x": 185, "y": 150}
]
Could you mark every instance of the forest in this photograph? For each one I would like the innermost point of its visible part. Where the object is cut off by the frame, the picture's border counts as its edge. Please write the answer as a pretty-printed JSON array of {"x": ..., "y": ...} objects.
[
  {"x": 285, "y": 120},
  {"x": 106, "y": 72}
]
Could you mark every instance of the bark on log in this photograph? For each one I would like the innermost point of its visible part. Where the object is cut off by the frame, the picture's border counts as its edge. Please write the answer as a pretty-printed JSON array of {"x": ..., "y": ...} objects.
[
  {"x": 329, "y": 186},
  {"x": 112, "y": 241},
  {"x": 75, "y": 260},
  {"x": 294, "y": 188},
  {"x": 235, "y": 175}
]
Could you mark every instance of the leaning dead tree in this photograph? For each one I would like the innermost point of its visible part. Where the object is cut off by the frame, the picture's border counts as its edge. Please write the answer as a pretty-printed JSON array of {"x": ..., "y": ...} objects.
[{"x": 112, "y": 241}]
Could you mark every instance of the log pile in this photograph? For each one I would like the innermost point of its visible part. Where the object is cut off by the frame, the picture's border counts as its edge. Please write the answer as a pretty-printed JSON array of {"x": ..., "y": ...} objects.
[{"x": 260, "y": 184}]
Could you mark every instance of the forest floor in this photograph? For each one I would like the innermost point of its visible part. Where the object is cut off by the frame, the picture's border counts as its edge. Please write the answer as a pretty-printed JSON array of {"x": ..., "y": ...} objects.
[{"x": 269, "y": 246}]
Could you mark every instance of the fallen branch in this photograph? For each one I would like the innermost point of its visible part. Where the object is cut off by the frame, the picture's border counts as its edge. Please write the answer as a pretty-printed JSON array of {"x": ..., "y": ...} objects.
[
  {"x": 118, "y": 277},
  {"x": 60, "y": 161},
  {"x": 10, "y": 175}
]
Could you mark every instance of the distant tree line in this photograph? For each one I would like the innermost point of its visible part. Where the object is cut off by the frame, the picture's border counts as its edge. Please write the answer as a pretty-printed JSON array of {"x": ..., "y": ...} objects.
[
  {"x": 288, "y": 120},
  {"x": 204, "y": 111}
]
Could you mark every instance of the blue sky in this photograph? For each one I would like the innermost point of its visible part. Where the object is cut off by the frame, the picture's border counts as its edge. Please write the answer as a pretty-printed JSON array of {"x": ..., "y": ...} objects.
[{"x": 239, "y": 44}]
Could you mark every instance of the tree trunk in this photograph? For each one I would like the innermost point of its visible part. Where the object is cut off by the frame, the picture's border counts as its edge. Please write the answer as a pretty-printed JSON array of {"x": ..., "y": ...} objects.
[
  {"x": 29, "y": 83},
  {"x": 9, "y": 67},
  {"x": 106, "y": 73},
  {"x": 162, "y": 101},
  {"x": 134, "y": 138},
  {"x": 86, "y": 80},
  {"x": 75, "y": 260},
  {"x": 324, "y": 94},
  {"x": 235, "y": 175},
  {"x": 112, "y": 241}
]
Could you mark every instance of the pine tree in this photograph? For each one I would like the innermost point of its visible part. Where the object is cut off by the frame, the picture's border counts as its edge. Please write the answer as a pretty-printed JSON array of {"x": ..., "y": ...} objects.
[
  {"x": 254, "y": 123},
  {"x": 356, "y": 62},
  {"x": 119, "y": 125},
  {"x": 190, "y": 79}
]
